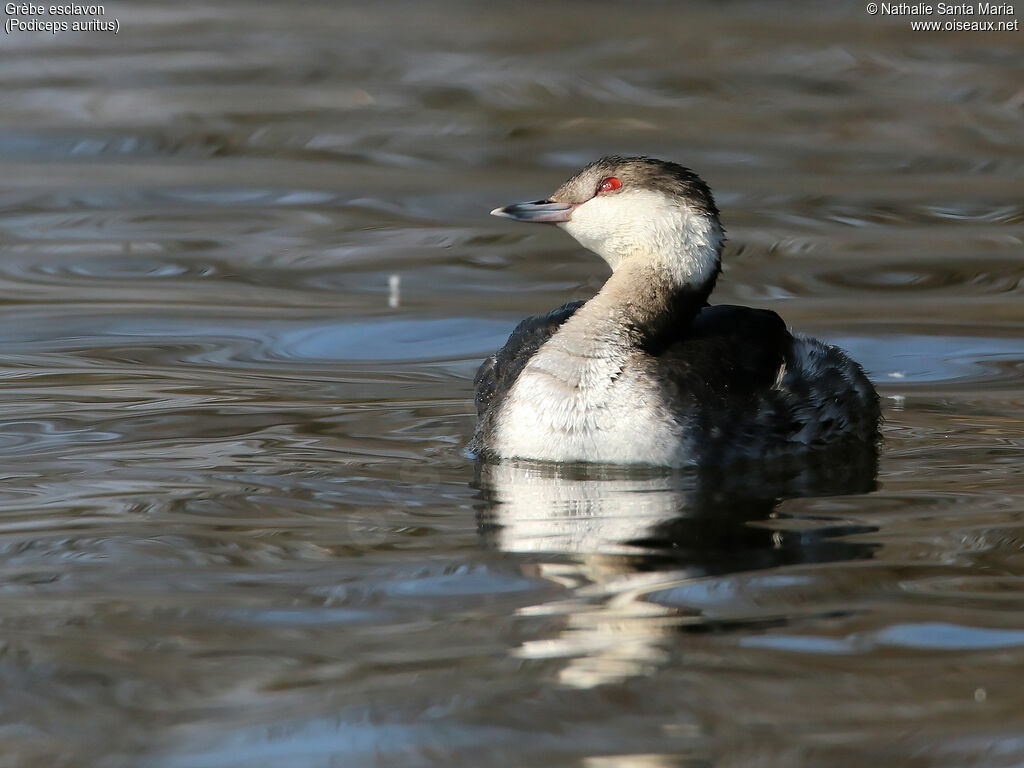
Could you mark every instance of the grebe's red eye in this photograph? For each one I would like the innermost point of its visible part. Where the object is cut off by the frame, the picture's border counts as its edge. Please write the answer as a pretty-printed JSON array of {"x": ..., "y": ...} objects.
[{"x": 609, "y": 185}]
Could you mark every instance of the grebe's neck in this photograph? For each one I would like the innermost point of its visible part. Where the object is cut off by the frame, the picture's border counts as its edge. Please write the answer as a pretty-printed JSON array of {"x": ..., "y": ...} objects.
[
  {"x": 664, "y": 257},
  {"x": 643, "y": 305}
]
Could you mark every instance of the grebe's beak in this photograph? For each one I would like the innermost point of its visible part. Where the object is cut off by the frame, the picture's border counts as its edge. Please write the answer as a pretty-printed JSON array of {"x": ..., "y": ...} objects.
[{"x": 542, "y": 211}]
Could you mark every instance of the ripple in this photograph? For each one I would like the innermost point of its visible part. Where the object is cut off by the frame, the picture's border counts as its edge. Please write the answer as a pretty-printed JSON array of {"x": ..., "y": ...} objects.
[
  {"x": 928, "y": 636},
  {"x": 980, "y": 277},
  {"x": 41, "y": 435},
  {"x": 949, "y": 637},
  {"x": 141, "y": 144},
  {"x": 122, "y": 268},
  {"x": 427, "y": 339},
  {"x": 1009, "y": 589},
  {"x": 919, "y": 359},
  {"x": 225, "y": 340},
  {"x": 532, "y": 84}
]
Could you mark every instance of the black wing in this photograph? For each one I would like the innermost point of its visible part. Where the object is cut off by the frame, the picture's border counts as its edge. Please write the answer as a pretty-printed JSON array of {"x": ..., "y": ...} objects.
[
  {"x": 759, "y": 388},
  {"x": 727, "y": 355},
  {"x": 499, "y": 372},
  {"x": 752, "y": 342}
]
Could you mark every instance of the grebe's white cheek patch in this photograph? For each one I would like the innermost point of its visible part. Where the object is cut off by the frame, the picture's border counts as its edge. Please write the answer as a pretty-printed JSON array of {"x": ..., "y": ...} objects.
[
  {"x": 591, "y": 224},
  {"x": 650, "y": 225},
  {"x": 613, "y": 225}
]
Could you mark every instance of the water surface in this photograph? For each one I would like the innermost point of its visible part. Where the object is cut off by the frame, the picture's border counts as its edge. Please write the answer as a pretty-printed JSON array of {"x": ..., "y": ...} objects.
[{"x": 246, "y": 276}]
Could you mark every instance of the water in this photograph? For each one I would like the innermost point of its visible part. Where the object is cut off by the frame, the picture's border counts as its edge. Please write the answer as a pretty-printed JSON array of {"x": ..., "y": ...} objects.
[{"x": 246, "y": 276}]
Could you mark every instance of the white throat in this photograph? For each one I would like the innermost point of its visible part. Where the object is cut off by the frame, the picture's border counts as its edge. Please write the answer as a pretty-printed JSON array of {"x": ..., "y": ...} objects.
[{"x": 649, "y": 226}]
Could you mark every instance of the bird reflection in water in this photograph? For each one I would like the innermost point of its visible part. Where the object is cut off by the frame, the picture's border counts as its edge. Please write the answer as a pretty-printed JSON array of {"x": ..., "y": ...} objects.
[{"x": 622, "y": 541}]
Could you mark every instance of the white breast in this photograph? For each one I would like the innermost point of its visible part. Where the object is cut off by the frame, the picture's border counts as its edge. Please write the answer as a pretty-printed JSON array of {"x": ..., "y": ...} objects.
[{"x": 580, "y": 400}]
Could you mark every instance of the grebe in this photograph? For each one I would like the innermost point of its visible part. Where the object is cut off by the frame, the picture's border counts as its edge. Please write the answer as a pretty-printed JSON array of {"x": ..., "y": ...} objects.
[{"x": 646, "y": 372}]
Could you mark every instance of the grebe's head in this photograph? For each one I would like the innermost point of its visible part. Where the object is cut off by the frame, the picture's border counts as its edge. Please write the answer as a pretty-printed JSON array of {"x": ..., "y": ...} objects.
[{"x": 636, "y": 209}]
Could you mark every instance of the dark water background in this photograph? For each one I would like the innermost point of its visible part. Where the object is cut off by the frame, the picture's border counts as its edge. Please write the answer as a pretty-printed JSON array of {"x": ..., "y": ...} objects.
[{"x": 246, "y": 276}]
